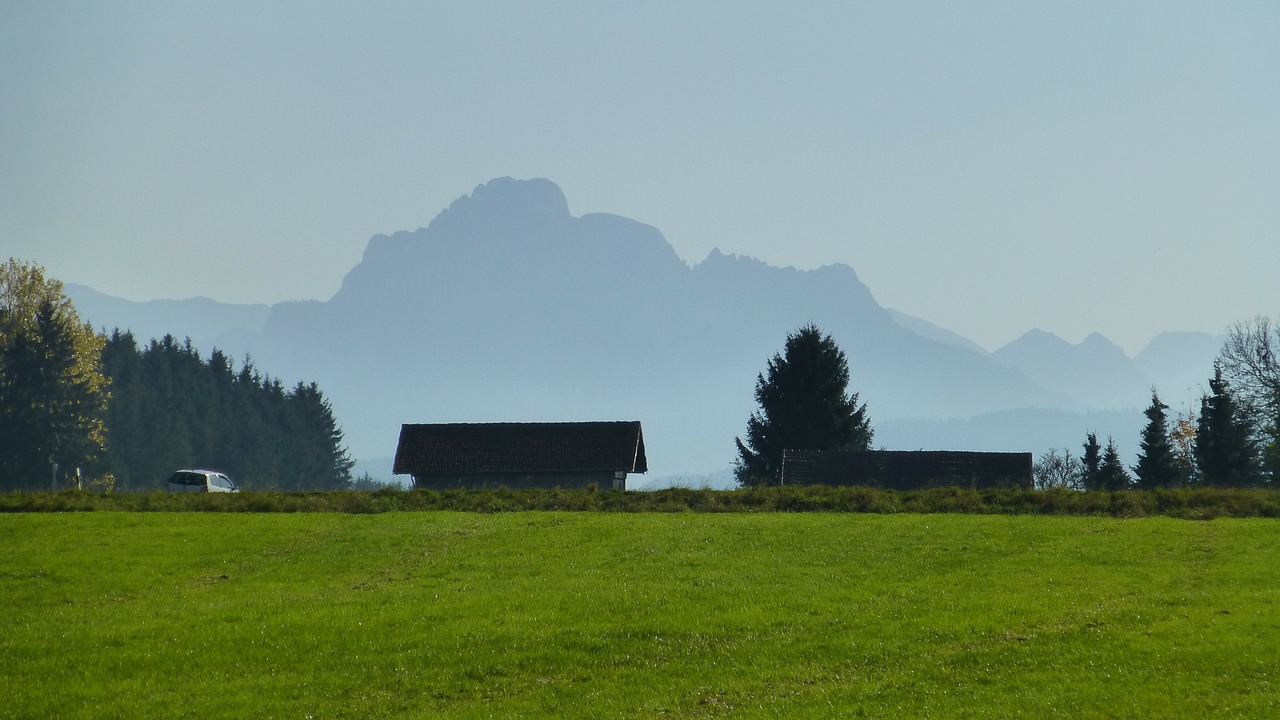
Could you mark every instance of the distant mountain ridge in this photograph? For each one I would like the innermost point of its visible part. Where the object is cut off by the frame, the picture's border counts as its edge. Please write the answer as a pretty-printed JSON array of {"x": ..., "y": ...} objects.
[
  {"x": 207, "y": 322},
  {"x": 928, "y": 330},
  {"x": 1095, "y": 373},
  {"x": 1098, "y": 374},
  {"x": 508, "y": 307}
]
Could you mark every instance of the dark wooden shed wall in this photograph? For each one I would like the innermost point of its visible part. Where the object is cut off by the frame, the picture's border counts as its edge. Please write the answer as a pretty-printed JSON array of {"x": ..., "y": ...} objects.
[
  {"x": 907, "y": 470},
  {"x": 517, "y": 481}
]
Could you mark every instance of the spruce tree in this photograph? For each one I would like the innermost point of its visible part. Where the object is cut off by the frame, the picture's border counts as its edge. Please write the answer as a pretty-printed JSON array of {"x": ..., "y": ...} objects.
[
  {"x": 1157, "y": 466},
  {"x": 1092, "y": 462},
  {"x": 804, "y": 405},
  {"x": 1226, "y": 454},
  {"x": 1112, "y": 475}
]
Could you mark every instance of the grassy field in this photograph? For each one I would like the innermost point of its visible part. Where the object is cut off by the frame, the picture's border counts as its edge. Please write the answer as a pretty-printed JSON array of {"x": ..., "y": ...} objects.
[{"x": 553, "y": 614}]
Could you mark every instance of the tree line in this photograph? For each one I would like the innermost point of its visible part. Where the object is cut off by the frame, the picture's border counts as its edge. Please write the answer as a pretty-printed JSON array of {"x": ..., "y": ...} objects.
[
  {"x": 77, "y": 406},
  {"x": 174, "y": 409},
  {"x": 1232, "y": 441}
]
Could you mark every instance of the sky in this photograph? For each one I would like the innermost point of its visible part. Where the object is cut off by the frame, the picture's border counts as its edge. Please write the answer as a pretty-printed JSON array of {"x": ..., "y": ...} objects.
[{"x": 991, "y": 167}]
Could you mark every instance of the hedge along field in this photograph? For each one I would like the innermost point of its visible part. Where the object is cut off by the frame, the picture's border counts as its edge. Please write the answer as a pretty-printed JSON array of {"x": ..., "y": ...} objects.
[
  {"x": 1200, "y": 503},
  {"x": 557, "y": 614}
]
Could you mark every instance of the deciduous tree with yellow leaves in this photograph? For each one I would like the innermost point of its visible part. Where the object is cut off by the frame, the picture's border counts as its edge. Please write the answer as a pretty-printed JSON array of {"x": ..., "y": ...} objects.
[{"x": 52, "y": 391}]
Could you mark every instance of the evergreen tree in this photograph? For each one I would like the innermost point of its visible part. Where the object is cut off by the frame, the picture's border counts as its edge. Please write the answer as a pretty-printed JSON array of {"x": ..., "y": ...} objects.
[
  {"x": 1092, "y": 462},
  {"x": 1226, "y": 454},
  {"x": 126, "y": 415},
  {"x": 1112, "y": 475},
  {"x": 804, "y": 405},
  {"x": 1157, "y": 466},
  {"x": 318, "y": 460}
]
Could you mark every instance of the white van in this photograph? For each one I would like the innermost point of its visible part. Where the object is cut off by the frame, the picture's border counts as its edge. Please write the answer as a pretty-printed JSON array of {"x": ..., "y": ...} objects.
[{"x": 201, "y": 481}]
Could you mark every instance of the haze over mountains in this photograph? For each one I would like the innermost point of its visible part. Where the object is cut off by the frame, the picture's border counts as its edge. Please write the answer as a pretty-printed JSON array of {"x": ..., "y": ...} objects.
[{"x": 507, "y": 307}]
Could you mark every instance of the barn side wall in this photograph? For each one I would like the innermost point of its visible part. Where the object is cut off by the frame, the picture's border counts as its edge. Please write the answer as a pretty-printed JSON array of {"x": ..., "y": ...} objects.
[
  {"x": 907, "y": 470},
  {"x": 518, "y": 481}
]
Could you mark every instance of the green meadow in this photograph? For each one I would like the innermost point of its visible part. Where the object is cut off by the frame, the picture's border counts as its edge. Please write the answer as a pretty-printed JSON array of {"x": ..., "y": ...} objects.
[{"x": 647, "y": 615}]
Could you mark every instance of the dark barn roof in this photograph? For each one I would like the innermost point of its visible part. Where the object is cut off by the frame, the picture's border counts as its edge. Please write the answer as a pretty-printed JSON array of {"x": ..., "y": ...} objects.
[{"x": 476, "y": 448}]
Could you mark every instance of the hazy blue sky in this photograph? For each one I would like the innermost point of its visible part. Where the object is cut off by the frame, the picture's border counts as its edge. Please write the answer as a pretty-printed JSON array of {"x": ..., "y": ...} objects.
[{"x": 991, "y": 167}]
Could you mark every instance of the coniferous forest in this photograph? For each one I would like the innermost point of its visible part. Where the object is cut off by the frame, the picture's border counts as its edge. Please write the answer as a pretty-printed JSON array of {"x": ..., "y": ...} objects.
[{"x": 170, "y": 408}]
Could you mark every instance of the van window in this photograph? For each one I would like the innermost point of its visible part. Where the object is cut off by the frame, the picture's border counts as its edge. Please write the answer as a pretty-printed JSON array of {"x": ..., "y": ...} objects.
[{"x": 187, "y": 478}]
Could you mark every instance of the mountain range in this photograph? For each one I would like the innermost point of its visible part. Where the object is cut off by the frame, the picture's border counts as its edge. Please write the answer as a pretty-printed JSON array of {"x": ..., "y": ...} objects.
[{"x": 506, "y": 307}]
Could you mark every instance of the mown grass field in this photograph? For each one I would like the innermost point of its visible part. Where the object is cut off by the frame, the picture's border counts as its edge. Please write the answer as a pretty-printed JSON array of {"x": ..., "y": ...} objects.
[{"x": 558, "y": 614}]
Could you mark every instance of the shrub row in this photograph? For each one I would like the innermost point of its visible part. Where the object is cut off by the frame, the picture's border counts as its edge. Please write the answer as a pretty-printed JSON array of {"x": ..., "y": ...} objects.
[{"x": 1197, "y": 503}]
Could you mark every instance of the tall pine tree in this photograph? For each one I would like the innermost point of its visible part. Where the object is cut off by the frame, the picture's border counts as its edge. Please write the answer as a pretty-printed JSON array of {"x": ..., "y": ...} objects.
[
  {"x": 1112, "y": 475},
  {"x": 1157, "y": 466},
  {"x": 1226, "y": 454},
  {"x": 804, "y": 405},
  {"x": 1092, "y": 463}
]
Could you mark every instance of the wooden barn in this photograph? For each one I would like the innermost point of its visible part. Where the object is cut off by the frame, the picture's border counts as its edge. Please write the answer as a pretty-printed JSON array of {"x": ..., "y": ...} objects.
[
  {"x": 907, "y": 470},
  {"x": 521, "y": 455}
]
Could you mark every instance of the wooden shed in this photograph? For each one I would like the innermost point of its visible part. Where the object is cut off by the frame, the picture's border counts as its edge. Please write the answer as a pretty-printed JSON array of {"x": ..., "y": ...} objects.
[
  {"x": 907, "y": 470},
  {"x": 521, "y": 455}
]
